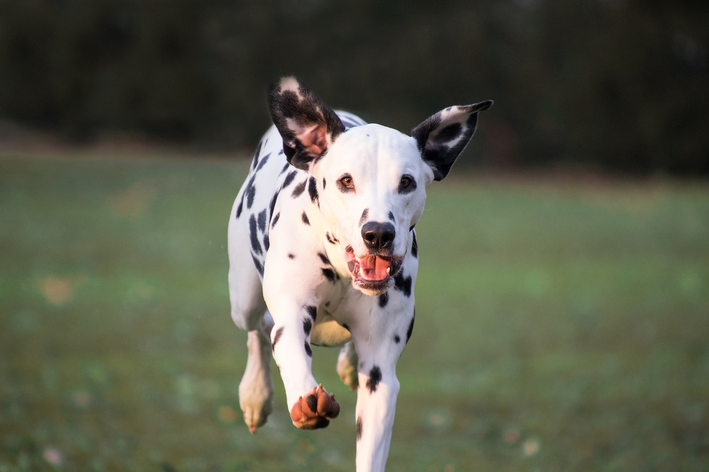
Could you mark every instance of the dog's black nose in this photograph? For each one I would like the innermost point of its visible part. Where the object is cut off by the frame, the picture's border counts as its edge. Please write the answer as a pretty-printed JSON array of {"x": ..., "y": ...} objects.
[{"x": 378, "y": 236}]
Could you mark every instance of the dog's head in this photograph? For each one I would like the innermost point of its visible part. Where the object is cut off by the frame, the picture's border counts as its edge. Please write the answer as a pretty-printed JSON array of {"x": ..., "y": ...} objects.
[{"x": 371, "y": 179}]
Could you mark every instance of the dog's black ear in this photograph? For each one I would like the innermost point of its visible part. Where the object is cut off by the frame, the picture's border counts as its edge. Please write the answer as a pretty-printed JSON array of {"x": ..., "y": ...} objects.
[
  {"x": 443, "y": 136},
  {"x": 307, "y": 125}
]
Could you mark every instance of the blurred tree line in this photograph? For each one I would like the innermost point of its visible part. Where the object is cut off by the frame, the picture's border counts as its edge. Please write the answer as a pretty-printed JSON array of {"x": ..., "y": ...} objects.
[{"x": 621, "y": 85}]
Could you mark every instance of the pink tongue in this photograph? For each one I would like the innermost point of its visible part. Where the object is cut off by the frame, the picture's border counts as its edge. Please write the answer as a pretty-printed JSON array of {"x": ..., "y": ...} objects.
[{"x": 374, "y": 268}]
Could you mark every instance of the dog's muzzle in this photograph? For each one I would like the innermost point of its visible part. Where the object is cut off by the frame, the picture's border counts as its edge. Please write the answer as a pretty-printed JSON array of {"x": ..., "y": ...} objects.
[{"x": 372, "y": 274}]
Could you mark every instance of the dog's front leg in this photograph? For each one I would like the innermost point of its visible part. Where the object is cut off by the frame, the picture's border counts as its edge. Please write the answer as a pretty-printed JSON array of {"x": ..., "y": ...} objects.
[
  {"x": 310, "y": 406},
  {"x": 378, "y": 352},
  {"x": 376, "y": 404}
]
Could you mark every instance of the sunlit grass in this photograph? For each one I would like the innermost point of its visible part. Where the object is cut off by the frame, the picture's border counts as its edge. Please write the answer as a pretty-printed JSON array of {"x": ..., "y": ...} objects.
[{"x": 560, "y": 326}]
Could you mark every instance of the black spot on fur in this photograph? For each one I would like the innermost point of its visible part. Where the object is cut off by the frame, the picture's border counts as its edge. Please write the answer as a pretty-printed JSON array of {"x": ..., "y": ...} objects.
[
  {"x": 250, "y": 196},
  {"x": 359, "y": 428},
  {"x": 309, "y": 352},
  {"x": 397, "y": 339},
  {"x": 399, "y": 281},
  {"x": 307, "y": 326},
  {"x": 289, "y": 178},
  {"x": 299, "y": 189},
  {"x": 391, "y": 217},
  {"x": 239, "y": 208},
  {"x": 250, "y": 183},
  {"x": 324, "y": 258},
  {"x": 305, "y": 219},
  {"x": 403, "y": 284},
  {"x": 285, "y": 167},
  {"x": 415, "y": 248},
  {"x": 291, "y": 255},
  {"x": 274, "y": 198},
  {"x": 262, "y": 221},
  {"x": 263, "y": 162},
  {"x": 258, "y": 151},
  {"x": 257, "y": 264},
  {"x": 383, "y": 299},
  {"x": 255, "y": 245},
  {"x": 275, "y": 219},
  {"x": 330, "y": 275},
  {"x": 411, "y": 327},
  {"x": 407, "y": 286},
  {"x": 375, "y": 376},
  {"x": 312, "y": 311},
  {"x": 276, "y": 337},
  {"x": 364, "y": 216},
  {"x": 266, "y": 242},
  {"x": 331, "y": 238},
  {"x": 313, "y": 189},
  {"x": 324, "y": 183}
]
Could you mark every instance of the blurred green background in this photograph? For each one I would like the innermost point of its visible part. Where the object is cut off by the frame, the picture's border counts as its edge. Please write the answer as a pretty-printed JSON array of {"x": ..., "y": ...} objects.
[
  {"x": 561, "y": 325},
  {"x": 563, "y": 295}
]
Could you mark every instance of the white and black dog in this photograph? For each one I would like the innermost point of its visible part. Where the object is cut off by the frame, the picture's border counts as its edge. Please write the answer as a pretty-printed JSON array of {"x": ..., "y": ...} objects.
[{"x": 322, "y": 250}]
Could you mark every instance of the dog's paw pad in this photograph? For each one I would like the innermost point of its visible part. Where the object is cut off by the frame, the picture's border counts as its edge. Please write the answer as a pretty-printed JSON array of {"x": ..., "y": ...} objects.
[{"x": 315, "y": 410}]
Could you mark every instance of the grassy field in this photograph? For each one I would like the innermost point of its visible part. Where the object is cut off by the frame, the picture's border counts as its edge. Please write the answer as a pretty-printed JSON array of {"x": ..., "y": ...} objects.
[{"x": 561, "y": 326}]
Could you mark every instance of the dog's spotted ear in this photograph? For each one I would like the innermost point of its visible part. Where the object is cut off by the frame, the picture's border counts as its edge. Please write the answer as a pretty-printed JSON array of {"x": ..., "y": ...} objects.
[
  {"x": 307, "y": 125},
  {"x": 443, "y": 136}
]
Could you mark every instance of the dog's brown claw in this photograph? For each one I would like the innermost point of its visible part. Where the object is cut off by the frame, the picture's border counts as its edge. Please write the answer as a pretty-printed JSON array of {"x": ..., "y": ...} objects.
[{"x": 315, "y": 410}]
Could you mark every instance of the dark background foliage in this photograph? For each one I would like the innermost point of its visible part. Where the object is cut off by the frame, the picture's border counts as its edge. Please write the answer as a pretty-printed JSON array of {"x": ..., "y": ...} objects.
[{"x": 620, "y": 85}]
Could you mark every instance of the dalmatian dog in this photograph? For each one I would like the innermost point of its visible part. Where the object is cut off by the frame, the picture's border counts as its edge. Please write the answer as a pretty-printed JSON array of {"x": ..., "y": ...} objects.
[{"x": 323, "y": 251}]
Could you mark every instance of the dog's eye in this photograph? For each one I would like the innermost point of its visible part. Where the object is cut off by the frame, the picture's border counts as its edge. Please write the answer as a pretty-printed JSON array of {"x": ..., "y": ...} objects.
[
  {"x": 407, "y": 184},
  {"x": 346, "y": 183}
]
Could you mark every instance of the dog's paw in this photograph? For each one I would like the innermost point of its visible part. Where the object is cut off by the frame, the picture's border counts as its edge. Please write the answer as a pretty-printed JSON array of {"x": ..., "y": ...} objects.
[
  {"x": 256, "y": 416},
  {"x": 315, "y": 410},
  {"x": 256, "y": 409},
  {"x": 255, "y": 395},
  {"x": 347, "y": 369}
]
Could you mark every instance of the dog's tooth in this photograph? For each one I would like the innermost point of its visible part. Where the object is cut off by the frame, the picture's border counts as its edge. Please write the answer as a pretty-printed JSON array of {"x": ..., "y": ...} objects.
[{"x": 389, "y": 270}]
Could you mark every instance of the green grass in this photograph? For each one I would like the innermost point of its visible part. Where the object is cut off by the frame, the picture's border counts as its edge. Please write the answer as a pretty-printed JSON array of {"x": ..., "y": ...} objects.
[{"x": 561, "y": 326}]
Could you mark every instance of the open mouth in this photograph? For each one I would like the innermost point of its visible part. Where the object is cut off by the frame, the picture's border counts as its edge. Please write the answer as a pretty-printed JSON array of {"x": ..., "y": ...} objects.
[{"x": 372, "y": 273}]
